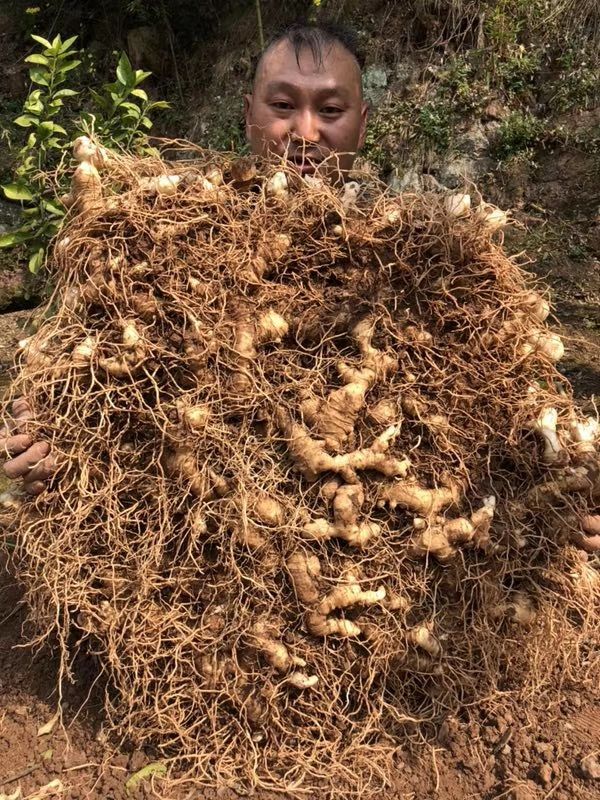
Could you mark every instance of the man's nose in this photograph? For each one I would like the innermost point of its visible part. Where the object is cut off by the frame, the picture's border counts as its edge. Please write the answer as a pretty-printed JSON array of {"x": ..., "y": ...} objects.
[{"x": 306, "y": 126}]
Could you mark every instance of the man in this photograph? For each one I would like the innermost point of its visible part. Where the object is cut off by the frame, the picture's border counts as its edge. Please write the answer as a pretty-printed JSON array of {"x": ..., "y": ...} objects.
[
  {"x": 307, "y": 106},
  {"x": 306, "y": 103}
]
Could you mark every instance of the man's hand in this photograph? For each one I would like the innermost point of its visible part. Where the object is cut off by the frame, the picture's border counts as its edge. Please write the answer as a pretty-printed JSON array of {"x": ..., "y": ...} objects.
[
  {"x": 27, "y": 459},
  {"x": 589, "y": 536}
]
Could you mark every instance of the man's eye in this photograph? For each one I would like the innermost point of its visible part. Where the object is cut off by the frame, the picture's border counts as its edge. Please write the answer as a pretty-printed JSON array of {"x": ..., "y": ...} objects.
[
  {"x": 281, "y": 105},
  {"x": 331, "y": 111}
]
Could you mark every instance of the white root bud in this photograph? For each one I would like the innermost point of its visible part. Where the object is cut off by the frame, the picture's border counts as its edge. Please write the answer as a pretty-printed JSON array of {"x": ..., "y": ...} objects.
[
  {"x": 491, "y": 217},
  {"x": 537, "y": 306},
  {"x": 131, "y": 337},
  {"x": 268, "y": 510},
  {"x": 272, "y": 327},
  {"x": 10, "y": 501},
  {"x": 519, "y": 609},
  {"x": 165, "y": 185},
  {"x": 545, "y": 425},
  {"x": 423, "y": 638},
  {"x": 457, "y": 205},
  {"x": 279, "y": 245},
  {"x": 392, "y": 217},
  {"x": 548, "y": 344},
  {"x": 195, "y": 416},
  {"x": 277, "y": 186},
  {"x": 85, "y": 150},
  {"x": 350, "y": 194},
  {"x": 585, "y": 434},
  {"x": 83, "y": 352},
  {"x": 301, "y": 681}
]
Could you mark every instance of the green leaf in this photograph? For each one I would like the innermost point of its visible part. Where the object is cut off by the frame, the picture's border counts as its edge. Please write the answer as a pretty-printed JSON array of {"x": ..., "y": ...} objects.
[
  {"x": 36, "y": 260},
  {"x": 26, "y": 121},
  {"x": 140, "y": 76},
  {"x": 34, "y": 106},
  {"x": 125, "y": 73},
  {"x": 58, "y": 129},
  {"x": 56, "y": 44},
  {"x": 40, "y": 40},
  {"x": 17, "y": 191},
  {"x": 132, "y": 108},
  {"x": 71, "y": 65},
  {"x": 37, "y": 58},
  {"x": 65, "y": 93},
  {"x": 159, "y": 104},
  {"x": 38, "y": 75},
  {"x": 139, "y": 93},
  {"x": 143, "y": 774},
  {"x": 52, "y": 208},
  {"x": 15, "y": 237},
  {"x": 67, "y": 43},
  {"x": 147, "y": 123}
]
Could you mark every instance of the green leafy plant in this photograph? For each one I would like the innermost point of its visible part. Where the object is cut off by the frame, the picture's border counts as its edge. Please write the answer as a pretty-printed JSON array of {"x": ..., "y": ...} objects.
[
  {"x": 120, "y": 119},
  {"x": 517, "y": 71},
  {"x": 123, "y": 108},
  {"x": 433, "y": 125},
  {"x": 519, "y": 133},
  {"x": 45, "y": 144}
]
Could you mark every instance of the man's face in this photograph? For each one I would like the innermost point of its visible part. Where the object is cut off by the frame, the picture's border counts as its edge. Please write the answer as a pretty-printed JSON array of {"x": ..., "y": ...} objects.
[{"x": 312, "y": 114}]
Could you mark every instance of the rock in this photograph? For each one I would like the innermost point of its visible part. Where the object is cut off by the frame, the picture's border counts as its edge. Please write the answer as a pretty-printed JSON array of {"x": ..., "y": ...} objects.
[
  {"x": 461, "y": 169},
  {"x": 13, "y": 289},
  {"x": 374, "y": 85},
  {"x": 408, "y": 180},
  {"x": 495, "y": 110},
  {"x": 546, "y": 774},
  {"x": 406, "y": 74},
  {"x": 474, "y": 141},
  {"x": 590, "y": 767},
  {"x": 10, "y": 214},
  {"x": 525, "y": 791}
]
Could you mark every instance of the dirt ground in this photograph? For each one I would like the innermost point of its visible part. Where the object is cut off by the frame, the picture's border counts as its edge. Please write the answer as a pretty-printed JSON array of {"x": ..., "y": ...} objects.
[
  {"x": 502, "y": 753},
  {"x": 552, "y": 751}
]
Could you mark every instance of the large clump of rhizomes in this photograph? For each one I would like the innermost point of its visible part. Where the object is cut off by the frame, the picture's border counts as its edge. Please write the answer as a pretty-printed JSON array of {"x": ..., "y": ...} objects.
[{"x": 319, "y": 476}]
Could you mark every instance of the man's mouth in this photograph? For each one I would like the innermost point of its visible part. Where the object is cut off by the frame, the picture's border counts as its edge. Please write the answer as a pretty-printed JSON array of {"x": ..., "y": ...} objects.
[{"x": 303, "y": 163}]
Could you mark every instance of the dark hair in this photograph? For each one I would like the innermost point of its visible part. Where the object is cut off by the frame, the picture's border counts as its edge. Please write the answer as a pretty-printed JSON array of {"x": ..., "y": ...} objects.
[{"x": 316, "y": 36}]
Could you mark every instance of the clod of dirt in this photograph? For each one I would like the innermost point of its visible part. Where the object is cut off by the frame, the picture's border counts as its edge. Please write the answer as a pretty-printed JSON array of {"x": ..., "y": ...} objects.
[{"x": 590, "y": 767}]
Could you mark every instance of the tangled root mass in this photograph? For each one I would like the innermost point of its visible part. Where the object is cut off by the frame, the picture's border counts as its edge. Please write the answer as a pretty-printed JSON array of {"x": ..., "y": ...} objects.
[{"x": 309, "y": 483}]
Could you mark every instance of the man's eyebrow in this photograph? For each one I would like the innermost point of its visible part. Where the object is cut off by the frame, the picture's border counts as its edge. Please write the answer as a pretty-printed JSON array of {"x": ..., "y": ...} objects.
[{"x": 326, "y": 91}]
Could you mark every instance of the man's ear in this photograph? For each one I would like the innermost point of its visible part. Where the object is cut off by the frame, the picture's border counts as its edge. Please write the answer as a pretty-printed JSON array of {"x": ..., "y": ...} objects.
[
  {"x": 364, "y": 119},
  {"x": 247, "y": 107}
]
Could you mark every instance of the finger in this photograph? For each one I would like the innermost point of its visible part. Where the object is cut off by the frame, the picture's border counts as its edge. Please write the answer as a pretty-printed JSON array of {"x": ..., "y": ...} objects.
[
  {"x": 21, "y": 409},
  {"x": 21, "y": 465},
  {"x": 37, "y": 487},
  {"x": 15, "y": 445},
  {"x": 21, "y": 412},
  {"x": 590, "y": 524},
  {"x": 591, "y": 544},
  {"x": 42, "y": 471}
]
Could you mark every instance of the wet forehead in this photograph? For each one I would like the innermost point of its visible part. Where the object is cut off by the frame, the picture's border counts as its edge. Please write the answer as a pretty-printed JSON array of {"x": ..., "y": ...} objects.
[{"x": 338, "y": 71}]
